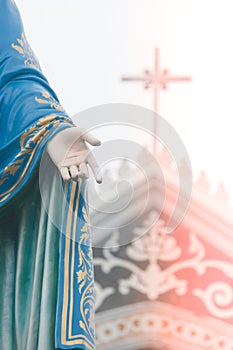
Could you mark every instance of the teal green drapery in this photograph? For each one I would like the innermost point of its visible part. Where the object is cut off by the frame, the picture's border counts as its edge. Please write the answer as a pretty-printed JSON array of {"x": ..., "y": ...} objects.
[
  {"x": 30, "y": 247},
  {"x": 29, "y": 256}
]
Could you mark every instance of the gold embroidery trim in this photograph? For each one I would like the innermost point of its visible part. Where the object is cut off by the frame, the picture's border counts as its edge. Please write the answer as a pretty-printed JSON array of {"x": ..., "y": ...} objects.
[
  {"x": 48, "y": 99},
  {"x": 29, "y": 143},
  {"x": 71, "y": 340},
  {"x": 23, "y": 48}
]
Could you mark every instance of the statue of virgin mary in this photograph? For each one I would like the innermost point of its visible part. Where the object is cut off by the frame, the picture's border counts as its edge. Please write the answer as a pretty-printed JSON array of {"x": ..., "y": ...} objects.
[{"x": 46, "y": 267}]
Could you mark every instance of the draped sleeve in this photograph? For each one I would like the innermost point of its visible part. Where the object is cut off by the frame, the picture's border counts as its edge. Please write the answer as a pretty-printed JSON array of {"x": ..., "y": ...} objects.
[
  {"x": 30, "y": 112},
  {"x": 30, "y": 115}
]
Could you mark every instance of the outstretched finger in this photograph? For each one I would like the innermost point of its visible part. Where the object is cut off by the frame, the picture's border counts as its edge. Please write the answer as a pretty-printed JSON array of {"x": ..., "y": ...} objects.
[
  {"x": 65, "y": 173},
  {"x": 95, "y": 168},
  {"x": 83, "y": 171},
  {"x": 74, "y": 172},
  {"x": 92, "y": 140}
]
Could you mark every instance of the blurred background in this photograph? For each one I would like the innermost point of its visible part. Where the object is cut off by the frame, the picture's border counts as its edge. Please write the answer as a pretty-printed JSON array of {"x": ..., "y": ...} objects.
[
  {"x": 161, "y": 291},
  {"x": 85, "y": 48}
]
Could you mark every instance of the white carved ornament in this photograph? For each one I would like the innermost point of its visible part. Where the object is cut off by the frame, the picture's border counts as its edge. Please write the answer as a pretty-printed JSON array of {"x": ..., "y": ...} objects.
[{"x": 153, "y": 281}]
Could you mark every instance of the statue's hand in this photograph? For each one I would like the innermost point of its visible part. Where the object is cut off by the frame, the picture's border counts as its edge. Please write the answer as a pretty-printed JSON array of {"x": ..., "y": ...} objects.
[{"x": 70, "y": 153}]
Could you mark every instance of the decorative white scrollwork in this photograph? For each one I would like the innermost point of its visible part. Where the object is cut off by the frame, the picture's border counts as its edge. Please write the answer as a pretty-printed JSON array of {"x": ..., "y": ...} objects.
[
  {"x": 101, "y": 294},
  {"x": 152, "y": 281},
  {"x": 217, "y": 298}
]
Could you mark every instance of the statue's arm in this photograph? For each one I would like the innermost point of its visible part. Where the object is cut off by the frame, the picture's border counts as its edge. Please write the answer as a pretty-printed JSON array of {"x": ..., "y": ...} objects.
[{"x": 26, "y": 97}]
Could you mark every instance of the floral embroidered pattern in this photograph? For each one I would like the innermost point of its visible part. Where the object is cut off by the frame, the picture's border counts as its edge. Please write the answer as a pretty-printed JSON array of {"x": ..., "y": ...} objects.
[
  {"x": 85, "y": 276},
  {"x": 23, "y": 48},
  {"x": 48, "y": 99},
  {"x": 29, "y": 141}
]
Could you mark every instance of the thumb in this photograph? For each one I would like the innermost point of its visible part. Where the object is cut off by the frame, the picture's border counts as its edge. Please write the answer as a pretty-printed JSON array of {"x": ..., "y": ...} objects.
[{"x": 92, "y": 140}]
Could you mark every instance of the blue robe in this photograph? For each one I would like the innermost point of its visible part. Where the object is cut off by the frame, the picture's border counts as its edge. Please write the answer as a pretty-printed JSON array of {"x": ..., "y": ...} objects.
[{"x": 46, "y": 268}]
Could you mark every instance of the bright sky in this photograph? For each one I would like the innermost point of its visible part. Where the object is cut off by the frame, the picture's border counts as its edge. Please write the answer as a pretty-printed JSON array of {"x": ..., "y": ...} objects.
[{"x": 85, "y": 46}]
